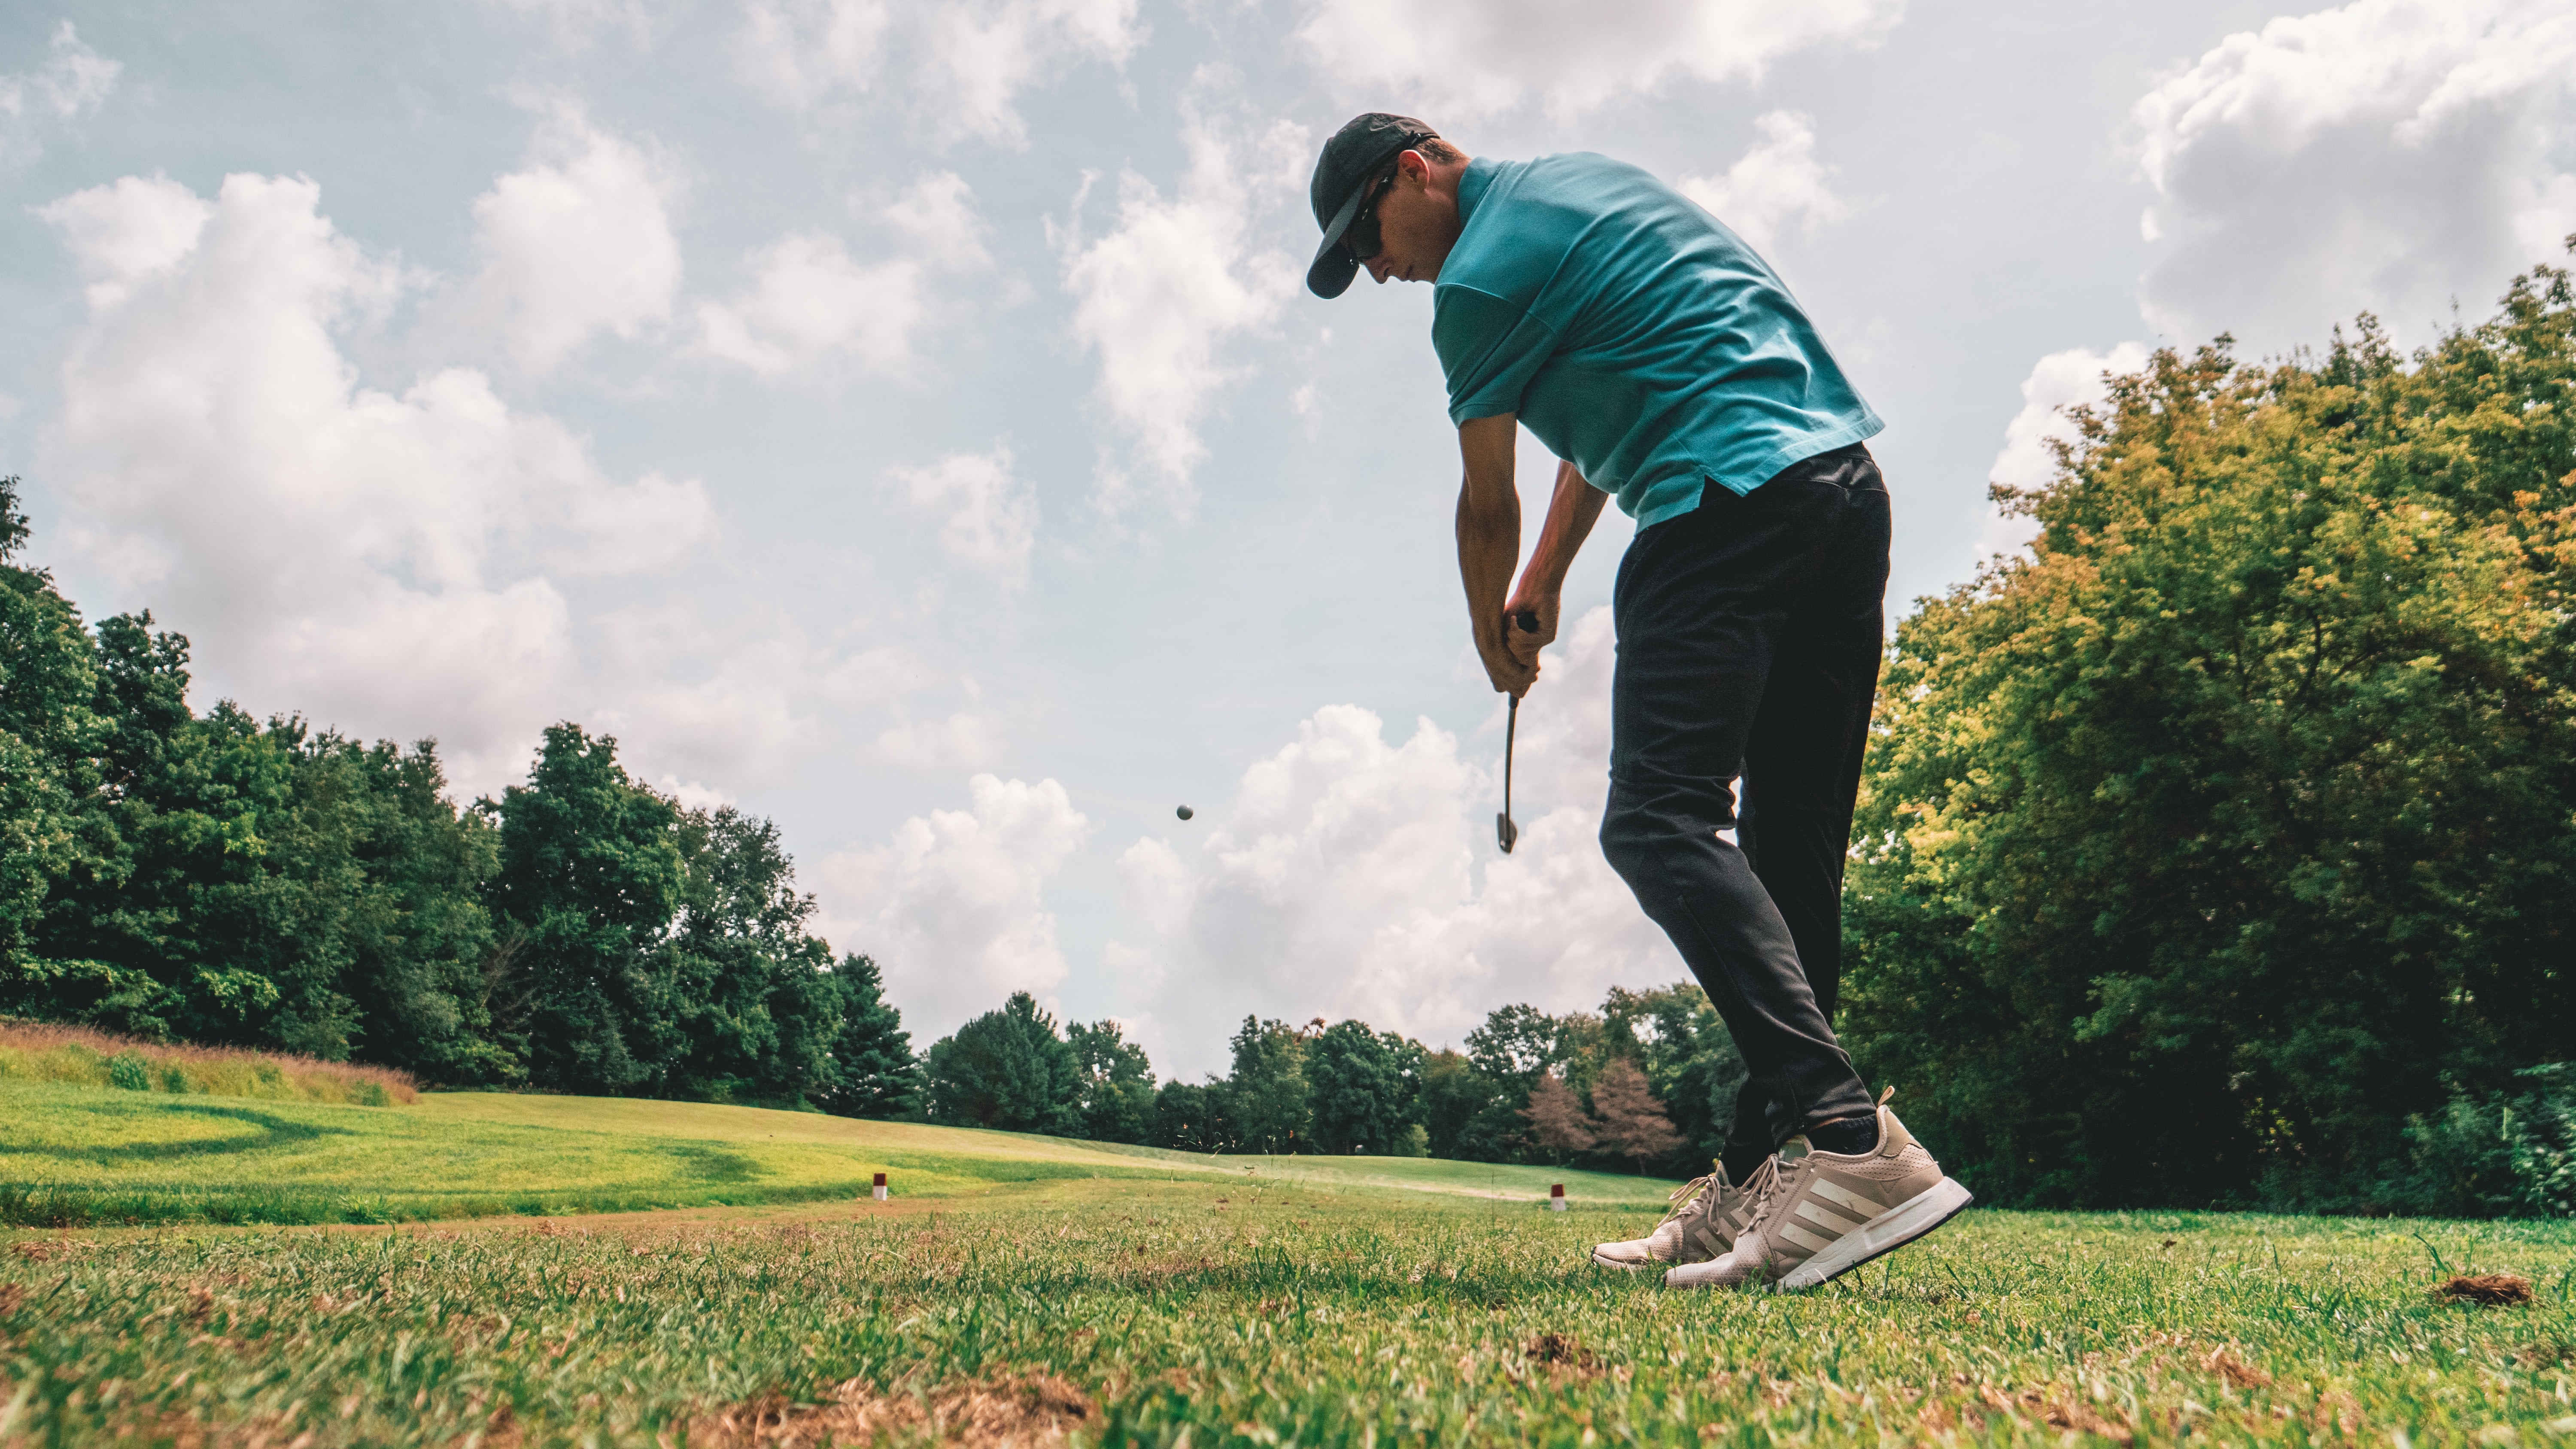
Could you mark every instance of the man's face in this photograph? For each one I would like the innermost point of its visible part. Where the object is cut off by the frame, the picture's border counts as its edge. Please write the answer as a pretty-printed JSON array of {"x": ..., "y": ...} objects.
[{"x": 1417, "y": 225}]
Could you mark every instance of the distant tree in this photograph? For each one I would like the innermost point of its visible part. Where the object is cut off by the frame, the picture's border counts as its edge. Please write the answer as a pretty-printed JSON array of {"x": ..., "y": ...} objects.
[
  {"x": 1266, "y": 1095},
  {"x": 592, "y": 874},
  {"x": 1557, "y": 1120},
  {"x": 873, "y": 1072},
  {"x": 1363, "y": 1087},
  {"x": 1466, "y": 1115},
  {"x": 1117, "y": 1083},
  {"x": 1632, "y": 1122},
  {"x": 1007, "y": 1069},
  {"x": 1514, "y": 1046},
  {"x": 1189, "y": 1118}
]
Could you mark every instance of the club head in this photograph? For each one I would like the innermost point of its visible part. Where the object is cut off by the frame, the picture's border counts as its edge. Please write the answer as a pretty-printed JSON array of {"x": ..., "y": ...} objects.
[{"x": 1505, "y": 831}]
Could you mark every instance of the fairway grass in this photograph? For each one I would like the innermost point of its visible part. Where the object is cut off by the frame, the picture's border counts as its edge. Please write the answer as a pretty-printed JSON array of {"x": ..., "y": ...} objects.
[
  {"x": 1196, "y": 1313},
  {"x": 78, "y": 1156}
]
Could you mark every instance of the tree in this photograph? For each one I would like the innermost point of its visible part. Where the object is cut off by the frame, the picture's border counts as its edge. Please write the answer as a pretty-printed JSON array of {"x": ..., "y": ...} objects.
[
  {"x": 872, "y": 1072},
  {"x": 592, "y": 873},
  {"x": 2232, "y": 824},
  {"x": 1557, "y": 1119},
  {"x": 1007, "y": 1069},
  {"x": 1465, "y": 1115},
  {"x": 754, "y": 1009},
  {"x": 1266, "y": 1095},
  {"x": 1190, "y": 1118},
  {"x": 1117, "y": 1083},
  {"x": 1632, "y": 1122},
  {"x": 1363, "y": 1087}
]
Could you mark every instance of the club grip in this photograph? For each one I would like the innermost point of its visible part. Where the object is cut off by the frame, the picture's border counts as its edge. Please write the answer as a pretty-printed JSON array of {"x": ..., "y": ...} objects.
[{"x": 1527, "y": 619}]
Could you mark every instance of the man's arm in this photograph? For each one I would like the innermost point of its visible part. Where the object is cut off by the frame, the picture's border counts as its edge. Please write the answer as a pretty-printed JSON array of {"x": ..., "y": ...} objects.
[
  {"x": 1489, "y": 543},
  {"x": 1571, "y": 512}
]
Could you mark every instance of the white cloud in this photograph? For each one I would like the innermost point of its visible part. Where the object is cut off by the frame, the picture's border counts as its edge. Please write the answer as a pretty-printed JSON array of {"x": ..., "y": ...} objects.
[
  {"x": 937, "y": 219},
  {"x": 810, "y": 305},
  {"x": 387, "y": 562},
  {"x": 1776, "y": 188},
  {"x": 2057, "y": 382},
  {"x": 970, "y": 60},
  {"x": 809, "y": 302},
  {"x": 952, "y": 907},
  {"x": 1470, "y": 58},
  {"x": 962, "y": 741},
  {"x": 2387, "y": 154},
  {"x": 75, "y": 81},
  {"x": 1158, "y": 298},
  {"x": 576, "y": 245},
  {"x": 1356, "y": 876},
  {"x": 988, "y": 520},
  {"x": 981, "y": 56}
]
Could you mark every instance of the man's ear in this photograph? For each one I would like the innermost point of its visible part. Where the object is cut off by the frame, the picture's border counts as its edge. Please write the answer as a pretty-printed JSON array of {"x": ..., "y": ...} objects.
[{"x": 1415, "y": 166}]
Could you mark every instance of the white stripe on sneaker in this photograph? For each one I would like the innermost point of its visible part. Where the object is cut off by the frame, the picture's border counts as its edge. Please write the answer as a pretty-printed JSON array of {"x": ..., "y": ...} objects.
[{"x": 1892, "y": 1229}]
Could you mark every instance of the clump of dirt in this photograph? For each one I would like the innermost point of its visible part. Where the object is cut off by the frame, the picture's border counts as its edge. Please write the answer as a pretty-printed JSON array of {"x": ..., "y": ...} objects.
[
  {"x": 38, "y": 1250},
  {"x": 1560, "y": 1348},
  {"x": 1024, "y": 1410},
  {"x": 2223, "y": 1362},
  {"x": 2486, "y": 1290}
]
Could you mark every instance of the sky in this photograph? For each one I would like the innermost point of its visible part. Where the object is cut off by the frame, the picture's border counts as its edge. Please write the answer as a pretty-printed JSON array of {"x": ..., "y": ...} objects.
[{"x": 907, "y": 422}]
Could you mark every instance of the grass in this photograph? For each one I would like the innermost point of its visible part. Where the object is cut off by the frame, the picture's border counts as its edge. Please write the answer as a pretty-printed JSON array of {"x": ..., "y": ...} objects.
[
  {"x": 77, "y": 1156},
  {"x": 34, "y": 1052},
  {"x": 1184, "y": 1312}
]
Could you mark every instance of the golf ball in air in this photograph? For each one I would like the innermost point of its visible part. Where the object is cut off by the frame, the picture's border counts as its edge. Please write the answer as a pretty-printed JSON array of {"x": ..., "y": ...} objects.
[{"x": 1185, "y": 812}]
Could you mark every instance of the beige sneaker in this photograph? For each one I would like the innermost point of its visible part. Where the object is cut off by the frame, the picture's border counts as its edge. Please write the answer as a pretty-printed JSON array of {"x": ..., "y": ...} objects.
[
  {"x": 1817, "y": 1215},
  {"x": 1706, "y": 1215}
]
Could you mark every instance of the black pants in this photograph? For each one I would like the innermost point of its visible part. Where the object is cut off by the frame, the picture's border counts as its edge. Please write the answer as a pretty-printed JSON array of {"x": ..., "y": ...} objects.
[{"x": 1749, "y": 638}]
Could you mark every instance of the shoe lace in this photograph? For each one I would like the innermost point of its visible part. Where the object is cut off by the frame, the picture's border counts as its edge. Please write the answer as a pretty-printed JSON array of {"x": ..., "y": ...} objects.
[
  {"x": 1683, "y": 1196},
  {"x": 1766, "y": 1184}
]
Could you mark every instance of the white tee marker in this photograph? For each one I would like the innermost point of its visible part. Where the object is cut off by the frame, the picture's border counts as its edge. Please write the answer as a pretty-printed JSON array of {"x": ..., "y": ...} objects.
[
  {"x": 879, "y": 1192},
  {"x": 1556, "y": 1197}
]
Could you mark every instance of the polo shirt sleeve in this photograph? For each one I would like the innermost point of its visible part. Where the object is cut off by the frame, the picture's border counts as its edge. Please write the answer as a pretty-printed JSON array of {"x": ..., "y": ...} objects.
[{"x": 1489, "y": 350}]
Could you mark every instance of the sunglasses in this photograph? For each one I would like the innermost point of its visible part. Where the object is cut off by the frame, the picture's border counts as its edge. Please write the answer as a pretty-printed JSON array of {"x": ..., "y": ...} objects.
[{"x": 1361, "y": 237}]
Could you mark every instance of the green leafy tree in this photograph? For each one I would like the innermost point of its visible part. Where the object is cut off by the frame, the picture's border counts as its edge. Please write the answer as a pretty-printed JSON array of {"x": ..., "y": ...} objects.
[
  {"x": 1117, "y": 1083},
  {"x": 50, "y": 737},
  {"x": 1466, "y": 1116},
  {"x": 873, "y": 1072},
  {"x": 1007, "y": 1069},
  {"x": 1266, "y": 1094},
  {"x": 2229, "y": 831},
  {"x": 593, "y": 871},
  {"x": 755, "y": 1009},
  {"x": 1192, "y": 1118},
  {"x": 1364, "y": 1088}
]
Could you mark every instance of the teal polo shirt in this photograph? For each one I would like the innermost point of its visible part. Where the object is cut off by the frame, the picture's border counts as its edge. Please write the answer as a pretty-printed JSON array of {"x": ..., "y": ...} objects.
[{"x": 1638, "y": 338}]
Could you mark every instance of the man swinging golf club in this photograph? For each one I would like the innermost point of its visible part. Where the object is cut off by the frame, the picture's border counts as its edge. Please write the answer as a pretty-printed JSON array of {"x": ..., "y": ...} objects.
[{"x": 1665, "y": 364}]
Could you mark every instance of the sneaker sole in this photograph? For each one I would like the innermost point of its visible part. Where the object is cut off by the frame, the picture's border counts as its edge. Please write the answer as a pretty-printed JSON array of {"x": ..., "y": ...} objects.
[
  {"x": 1641, "y": 1264},
  {"x": 1884, "y": 1234}
]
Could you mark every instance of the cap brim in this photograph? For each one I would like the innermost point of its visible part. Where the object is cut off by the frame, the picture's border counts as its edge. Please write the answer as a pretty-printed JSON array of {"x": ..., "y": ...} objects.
[{"x": 1333, "y": 268}]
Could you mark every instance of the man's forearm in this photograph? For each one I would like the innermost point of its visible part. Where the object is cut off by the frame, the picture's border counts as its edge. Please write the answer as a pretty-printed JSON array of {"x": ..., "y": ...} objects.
[
  {"x": 1571, "y": 512},
  {"x": 1489, "y": 537}
]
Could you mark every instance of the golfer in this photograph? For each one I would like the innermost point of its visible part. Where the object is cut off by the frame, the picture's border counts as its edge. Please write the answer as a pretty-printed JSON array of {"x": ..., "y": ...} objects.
[{"x": 1665, "y": 364}]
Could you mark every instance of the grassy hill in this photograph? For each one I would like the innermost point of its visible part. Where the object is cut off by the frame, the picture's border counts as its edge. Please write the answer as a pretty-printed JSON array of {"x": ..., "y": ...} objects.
[{"x": 79, "y": 1154}]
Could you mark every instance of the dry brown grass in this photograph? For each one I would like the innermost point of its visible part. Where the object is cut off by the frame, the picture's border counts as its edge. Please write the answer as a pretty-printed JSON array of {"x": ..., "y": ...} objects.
[
  {"x": 1026, "y": 1409},
  {"x": 2486, "y": 1290},
  {"x": 36, "y": 1051}
]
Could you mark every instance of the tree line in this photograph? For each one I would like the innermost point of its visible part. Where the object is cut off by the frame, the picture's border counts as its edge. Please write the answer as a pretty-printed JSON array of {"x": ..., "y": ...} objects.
[{"x": 1644, "y": 1084}]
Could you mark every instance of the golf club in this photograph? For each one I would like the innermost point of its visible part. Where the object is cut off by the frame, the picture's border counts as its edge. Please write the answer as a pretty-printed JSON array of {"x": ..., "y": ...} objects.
[{"x": 1505, "y": 831}]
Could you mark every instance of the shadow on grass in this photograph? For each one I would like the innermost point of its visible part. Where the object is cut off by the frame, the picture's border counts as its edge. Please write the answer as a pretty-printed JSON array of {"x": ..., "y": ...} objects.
[{"x": 273, "y": 1132}]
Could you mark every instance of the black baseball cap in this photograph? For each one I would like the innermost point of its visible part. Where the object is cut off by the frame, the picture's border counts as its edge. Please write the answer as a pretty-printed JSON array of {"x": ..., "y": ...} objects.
[{"x": 1351, "y": 161}]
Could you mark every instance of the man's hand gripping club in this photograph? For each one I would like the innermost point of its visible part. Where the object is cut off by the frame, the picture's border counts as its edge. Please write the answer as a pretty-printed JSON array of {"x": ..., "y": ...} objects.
[{"x": 1489, "y": 541}]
